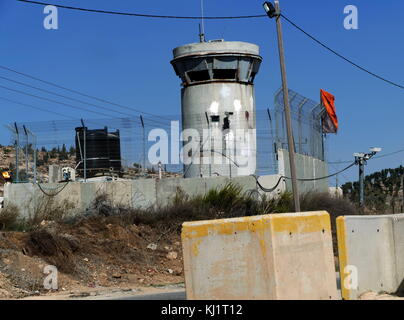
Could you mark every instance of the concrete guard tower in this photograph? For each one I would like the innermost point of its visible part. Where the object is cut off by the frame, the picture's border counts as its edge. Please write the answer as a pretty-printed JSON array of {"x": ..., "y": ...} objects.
[{"x": 218, "y": 101}]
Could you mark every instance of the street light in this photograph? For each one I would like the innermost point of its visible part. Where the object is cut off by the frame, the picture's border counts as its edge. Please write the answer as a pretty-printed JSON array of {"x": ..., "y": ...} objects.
[
  {"x": 270, "y": 9},
  {"x": 361, "y": 159},
  {"x": 272, "y": 12}
]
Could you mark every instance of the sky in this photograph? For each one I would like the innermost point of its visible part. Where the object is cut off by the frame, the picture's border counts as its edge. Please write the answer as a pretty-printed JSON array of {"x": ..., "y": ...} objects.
[{"x": 127, "y": 60}]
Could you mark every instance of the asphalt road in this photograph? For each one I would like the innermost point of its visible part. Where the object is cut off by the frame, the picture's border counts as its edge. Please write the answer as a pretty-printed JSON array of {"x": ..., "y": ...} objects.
[{"x": 177, "y": 295}]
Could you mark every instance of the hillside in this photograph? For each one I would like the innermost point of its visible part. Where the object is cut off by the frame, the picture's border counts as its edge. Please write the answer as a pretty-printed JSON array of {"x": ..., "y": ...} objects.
[
  {"x": 45, "y": 158},
  {"x": 383, "y": 191}
]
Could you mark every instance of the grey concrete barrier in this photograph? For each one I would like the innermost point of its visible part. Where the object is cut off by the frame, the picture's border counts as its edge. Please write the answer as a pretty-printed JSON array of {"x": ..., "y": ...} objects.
[
  {"x": 371, "y": 254},
  {"x": 279, "y": 256}
]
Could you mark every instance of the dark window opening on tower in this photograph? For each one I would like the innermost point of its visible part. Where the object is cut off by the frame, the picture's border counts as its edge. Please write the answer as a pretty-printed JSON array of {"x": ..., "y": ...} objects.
[
  {"x": 225, "y": 74},
  {"x": 252, "y": 77},
  {"x": 226, "y": 123},
  {"x": 202, "y": 75},
  {"x": 215, "y": 118}
]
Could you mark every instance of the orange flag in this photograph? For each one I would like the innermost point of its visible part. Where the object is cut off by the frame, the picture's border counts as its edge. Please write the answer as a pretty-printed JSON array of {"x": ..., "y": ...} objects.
[{"x": 329, "y": 119}]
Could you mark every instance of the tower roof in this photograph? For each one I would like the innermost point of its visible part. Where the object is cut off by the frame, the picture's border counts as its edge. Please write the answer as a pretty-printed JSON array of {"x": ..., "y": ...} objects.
[{"x": 216, "y": 47}]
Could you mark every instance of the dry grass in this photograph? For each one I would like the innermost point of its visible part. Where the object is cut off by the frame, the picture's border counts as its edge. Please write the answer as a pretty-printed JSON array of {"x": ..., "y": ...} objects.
[
  {"x": 226, "y": 202},
  {"x": 49, "y": 209},
  {"x": 334, "y": 206},
  {"x": 57, "y": 248},
  {"x": 54, "y": 248}
]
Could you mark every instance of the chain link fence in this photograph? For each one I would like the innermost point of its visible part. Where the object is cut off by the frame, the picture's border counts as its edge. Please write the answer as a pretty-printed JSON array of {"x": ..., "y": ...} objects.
[
  {"x": 42, "y": 143},
  {"x": 306, "y": 125}
]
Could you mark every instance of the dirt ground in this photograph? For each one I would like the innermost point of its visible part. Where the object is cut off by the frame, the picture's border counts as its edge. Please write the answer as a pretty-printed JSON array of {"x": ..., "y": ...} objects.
[
  {"x": 95, "y": 259},
  {"x": 90, "y": 256}
]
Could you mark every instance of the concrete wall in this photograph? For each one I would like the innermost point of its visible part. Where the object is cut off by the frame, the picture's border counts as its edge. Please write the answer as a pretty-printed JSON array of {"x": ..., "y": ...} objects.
[
  {"x": 286, "y": 256},
  {"x": 307, "y": 168},
  {"x": 142, "y": 193},
  {"x": 371, "y": 250}
]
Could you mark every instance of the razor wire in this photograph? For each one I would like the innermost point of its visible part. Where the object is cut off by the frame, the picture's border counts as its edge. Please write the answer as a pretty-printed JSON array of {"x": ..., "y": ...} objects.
[
  {"x": 300, "y": 179},
  {"x": 44, "y": 191}
]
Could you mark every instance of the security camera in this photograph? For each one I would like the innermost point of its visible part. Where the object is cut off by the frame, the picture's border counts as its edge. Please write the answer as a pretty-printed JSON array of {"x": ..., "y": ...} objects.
[
  {"x": 359, "y": 155},
  {"x": 375, "y": 150},
  {"x": 270, "y": 9}
]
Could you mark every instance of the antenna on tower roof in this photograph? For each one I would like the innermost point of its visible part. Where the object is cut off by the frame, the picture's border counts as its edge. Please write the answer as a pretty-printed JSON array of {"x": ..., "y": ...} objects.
[{"x": 202, "y": 25}]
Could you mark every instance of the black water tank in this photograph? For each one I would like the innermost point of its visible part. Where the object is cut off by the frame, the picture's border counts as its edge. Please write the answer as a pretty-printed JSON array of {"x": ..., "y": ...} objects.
[{"x": 103, "y": 149}]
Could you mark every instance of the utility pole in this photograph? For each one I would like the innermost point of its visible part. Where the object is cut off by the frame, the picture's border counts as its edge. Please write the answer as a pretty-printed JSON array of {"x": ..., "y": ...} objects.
[
  {"x": 361, "y": 163},
  {"x": 276, "y": 12},
  {"x": 336, "y": 186},
  {"x": 361, "y": 159}
]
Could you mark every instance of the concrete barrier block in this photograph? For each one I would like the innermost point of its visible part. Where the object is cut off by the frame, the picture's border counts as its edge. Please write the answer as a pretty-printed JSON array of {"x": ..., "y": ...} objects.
[
  {"x": 371, "y": 254},
  {"x": 166, "y": 190},
  {"x": 269, "y": 182},
  {"x": 283, "y": 256},
  {"x": 22, "y": 195},
  {"x": 144, "y": 193},
  {"x": 306, "y": 167},
  {"x": 247, "y": 183},
  {"x": 121, "y": 193},
  {"x": 193, "y": 186},
  {"x": 215, "y": 183},
  {"x": 88, "y": 193},
  {"x": 71, "y": 192}
]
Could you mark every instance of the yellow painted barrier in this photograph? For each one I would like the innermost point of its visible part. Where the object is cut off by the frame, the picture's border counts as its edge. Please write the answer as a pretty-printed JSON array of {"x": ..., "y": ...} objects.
[
  {"x": 278, "y": 256},
  {"x": 371, "y": 254}
]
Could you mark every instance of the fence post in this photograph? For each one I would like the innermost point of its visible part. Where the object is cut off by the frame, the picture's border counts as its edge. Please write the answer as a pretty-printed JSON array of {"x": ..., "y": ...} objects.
[
  {"x": 144, "y": 146},
  {"x": 26, "y": 152},
  {"x": 17, "y": 150},
  {"x": 34, "y": 146},
  {"x": 85, "y": 151}
]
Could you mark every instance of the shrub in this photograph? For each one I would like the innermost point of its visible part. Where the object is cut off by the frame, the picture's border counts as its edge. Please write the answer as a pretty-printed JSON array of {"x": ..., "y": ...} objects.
[
  {"x": 334, "y": 206},
  {"x": 48, "y": 209},
  {"x": 9, "y": 217},
  {"x": 56, "y": 249}
]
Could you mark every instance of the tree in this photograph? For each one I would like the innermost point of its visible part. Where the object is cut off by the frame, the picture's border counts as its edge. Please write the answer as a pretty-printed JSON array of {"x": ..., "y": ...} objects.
[
  {"x": 63, "y": 155},
  {"x": 72, "y": 151}
]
